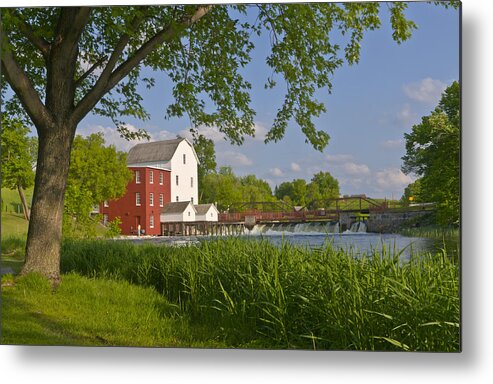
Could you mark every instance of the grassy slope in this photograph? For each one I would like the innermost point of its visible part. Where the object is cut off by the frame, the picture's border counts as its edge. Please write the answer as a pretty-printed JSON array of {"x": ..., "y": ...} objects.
[
  {"x": 13, "y": 224},
  {"x": 87, "y": 311},
  {"x": 14, "y": 233}
]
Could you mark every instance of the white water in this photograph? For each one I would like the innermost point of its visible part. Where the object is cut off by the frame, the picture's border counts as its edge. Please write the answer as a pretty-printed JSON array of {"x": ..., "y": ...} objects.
[
  {"x": 313, "y": 228},
  {"x": 358, "y": 227},
  {"x": 355, "y": 240}
]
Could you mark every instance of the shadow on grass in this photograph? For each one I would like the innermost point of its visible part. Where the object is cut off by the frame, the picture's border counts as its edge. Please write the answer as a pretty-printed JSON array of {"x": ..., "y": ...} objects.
[
  {"x": 95, "y": 312},
  {"x": 22, "y": 326}
]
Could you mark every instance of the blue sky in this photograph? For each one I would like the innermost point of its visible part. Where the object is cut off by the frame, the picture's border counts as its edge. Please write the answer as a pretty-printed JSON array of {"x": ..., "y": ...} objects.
[{"x": 372, "y": 105}]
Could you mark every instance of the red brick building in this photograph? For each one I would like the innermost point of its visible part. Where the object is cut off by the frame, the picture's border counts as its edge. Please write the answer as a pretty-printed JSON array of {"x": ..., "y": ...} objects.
[{"x": 163, "y": 171}]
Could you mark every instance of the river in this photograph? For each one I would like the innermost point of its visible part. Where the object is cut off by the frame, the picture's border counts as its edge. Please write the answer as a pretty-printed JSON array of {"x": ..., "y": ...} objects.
[{"x": 357, "y": 242}]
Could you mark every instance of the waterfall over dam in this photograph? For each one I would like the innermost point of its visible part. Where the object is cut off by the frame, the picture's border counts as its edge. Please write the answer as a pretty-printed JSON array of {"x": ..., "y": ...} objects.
[{"x": 304, "y": 228}]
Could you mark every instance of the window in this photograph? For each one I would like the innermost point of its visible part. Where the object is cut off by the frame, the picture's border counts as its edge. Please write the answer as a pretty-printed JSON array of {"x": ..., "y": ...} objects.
[
  {"x": 188, "y": 213},
  {"x": 151, "y": 221},
  {"x": 137, "y": 199},
  {"x": 184, "y": 159},
  {"x": 177, "y": 180},
  {"x": 151, "y": 199},
  {"x": 106, "y": 204},
  {"x": 137, "y": 177},
  {"x": 151, "y": 177},
  {"x": 191, "y": 200},
  {"x": 177, "y": 199},
  {"x": 161, "y": 178},
  {"x": 161, "y": 200},
  {"x": 191, "y": 182}
]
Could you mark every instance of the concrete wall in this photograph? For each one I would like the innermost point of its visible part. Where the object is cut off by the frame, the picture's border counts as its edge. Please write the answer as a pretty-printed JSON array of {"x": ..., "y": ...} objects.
[
  {"x": 391, "y": 221},
  {"x": 345, "y": 220}
]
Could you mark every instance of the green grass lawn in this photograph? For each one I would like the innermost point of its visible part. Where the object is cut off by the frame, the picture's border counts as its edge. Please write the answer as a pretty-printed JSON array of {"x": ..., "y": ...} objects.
[
  {"x": 14, "y": 225},
  {"x": 11, "y": 199},
  {"x": 14, "y": 233},
  {"x": 96, "y": 312}
]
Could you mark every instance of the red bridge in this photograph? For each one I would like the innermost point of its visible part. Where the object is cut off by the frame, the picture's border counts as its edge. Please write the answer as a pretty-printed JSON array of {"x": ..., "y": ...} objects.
[{"x": 327, "y": 210}]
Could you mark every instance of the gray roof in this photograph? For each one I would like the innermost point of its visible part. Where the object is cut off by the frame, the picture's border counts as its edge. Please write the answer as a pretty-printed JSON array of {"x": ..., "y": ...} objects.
[
  {"x": 153, "y": 151},
  {"x": 203, "y": 208},
  {"x": 176, "y": 207}
]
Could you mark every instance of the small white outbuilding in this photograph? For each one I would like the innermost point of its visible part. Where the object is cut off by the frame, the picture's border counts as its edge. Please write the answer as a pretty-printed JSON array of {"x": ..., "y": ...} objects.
[
  {"x": 183, "y": 211},
  {"x": 206, "y": 212}
]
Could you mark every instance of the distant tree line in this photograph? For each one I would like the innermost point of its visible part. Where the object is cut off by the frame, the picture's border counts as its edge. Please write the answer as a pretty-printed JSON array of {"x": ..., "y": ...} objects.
[
  {"x": 226, "y": 189},
  {"x": 323, "y": 186}
]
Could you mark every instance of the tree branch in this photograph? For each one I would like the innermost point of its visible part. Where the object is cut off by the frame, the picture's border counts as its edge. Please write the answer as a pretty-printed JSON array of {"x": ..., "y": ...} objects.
[
  {"x": 90, "y": 70},
  {"x": 109, "y": 79},
  {"x": 62, "y": 62},
  {"x": 22, "y": 86},
  {"x": 41, "y": 44},
  {"x": 70, "y": 25},
  {"x": 115, "y": 55}
]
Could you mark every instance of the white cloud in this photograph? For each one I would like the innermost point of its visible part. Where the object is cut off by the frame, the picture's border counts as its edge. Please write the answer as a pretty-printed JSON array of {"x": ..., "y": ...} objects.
[
  {"x": 232, "y": 158},
  {"x": 345, "y": 163},
  {"x": 355, "y": 169},
  {"x": 392, "y": 179},
  {"x": 295, "y": 167},
  {"x": 211, "y": 133},
  {"x": 112, "y": 136},
  {"x": 162, "y": 135},
  {"x": 339, "y": 158},
  {"x": 427, "y": 90},
  {"x": 406, "y": 116},
  {"x": 217, "y": 136},
  {"x": 392, "y": 144},
  {"x": 260, "y": 132},
  {"x": 276, "y": 172}
]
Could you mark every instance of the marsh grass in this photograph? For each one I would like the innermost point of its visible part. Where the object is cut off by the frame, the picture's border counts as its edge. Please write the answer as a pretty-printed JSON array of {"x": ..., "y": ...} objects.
[
  {"x": 433, "y": 232},
  {"x": 258, "y": 295}
]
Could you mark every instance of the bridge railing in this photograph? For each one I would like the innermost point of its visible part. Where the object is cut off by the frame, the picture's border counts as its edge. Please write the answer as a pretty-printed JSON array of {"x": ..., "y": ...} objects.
[{"x": 277, "y": 216}]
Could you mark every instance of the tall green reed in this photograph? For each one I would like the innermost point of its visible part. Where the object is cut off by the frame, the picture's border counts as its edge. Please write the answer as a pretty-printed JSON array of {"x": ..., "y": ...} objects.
[{"x": 257, "y": 294}]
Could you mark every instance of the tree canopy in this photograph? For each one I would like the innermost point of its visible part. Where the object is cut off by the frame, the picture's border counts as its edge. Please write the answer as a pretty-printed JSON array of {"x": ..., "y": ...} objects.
[
  {"x": 323, "y": 186},
  {"x": 18, "y": 158},
  {"x": 202, "y": 49},
  {"x": 97, "y": 173},
  {"x": 225, "y": 189},
  {"x": 433, "y": 154},
  {"x": 206, "y": 154}
]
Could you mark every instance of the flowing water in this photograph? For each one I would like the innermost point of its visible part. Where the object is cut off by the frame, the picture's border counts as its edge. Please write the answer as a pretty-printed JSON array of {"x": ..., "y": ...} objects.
[
  {"x": 356, "y": 239},
  {"x": 316, "y": 235}
]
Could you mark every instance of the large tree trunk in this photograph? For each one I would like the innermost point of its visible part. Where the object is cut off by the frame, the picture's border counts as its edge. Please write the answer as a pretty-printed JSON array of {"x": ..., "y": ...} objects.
[
  {"x": 45, "y": 227},
  {"x": 25, "y": 207}
]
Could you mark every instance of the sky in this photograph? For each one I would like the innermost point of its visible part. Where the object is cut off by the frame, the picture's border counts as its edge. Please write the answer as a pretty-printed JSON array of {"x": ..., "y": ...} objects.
[{"x": 373, "y": 103}]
